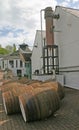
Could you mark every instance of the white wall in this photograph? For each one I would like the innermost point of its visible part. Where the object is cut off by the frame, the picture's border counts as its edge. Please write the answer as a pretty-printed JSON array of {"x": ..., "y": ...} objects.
[
  {"x": 67, "y": 37},
  {"x": 14, "y": 69},
  {"x": 59, "y": 78},
  {"x": 23, "y": 68},
  {"x": 37, "y": 52}
]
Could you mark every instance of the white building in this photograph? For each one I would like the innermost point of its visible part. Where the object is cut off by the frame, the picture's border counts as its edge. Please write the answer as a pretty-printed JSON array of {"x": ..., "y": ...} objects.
[
  {"x": 18, "y": 62},
  {"x": 13, "y": 62},
  {"x": 66, "y": 34},
  {"x": 37, "y": 62},
  {"x": 65, "y": 30}
]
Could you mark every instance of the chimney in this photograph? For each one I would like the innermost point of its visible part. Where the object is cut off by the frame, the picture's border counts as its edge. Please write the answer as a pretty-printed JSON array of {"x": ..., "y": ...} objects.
[{"x": 49, "y": 26}]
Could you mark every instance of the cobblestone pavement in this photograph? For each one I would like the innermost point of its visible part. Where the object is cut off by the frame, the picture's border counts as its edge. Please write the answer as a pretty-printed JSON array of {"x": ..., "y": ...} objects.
[{"x": 66, "y": 118}]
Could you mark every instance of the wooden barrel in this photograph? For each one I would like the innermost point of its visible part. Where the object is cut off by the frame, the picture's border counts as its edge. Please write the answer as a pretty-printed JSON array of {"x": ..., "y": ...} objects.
[
  {"x": 55, "y": 86},
  {"x": 6, "y": 81},
  {"x": 32, "y": 81},
  {"x": 21, "y": 90},
  {"x": 17, "y": 90},
  {"x": 23, "y": 80},
  {"x": 36, "y": 84},
  {"x": 22, "y": 101},
  {"x": 10, "y": 86},
  {"x": 61, "y": 91},
  {"x": 39, "y": 106},
  {"x": 11, "y": 101}
]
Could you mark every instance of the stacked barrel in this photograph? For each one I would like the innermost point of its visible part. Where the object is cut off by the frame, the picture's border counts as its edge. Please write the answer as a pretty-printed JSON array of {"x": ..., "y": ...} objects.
[{"x": 36, "y": 100}]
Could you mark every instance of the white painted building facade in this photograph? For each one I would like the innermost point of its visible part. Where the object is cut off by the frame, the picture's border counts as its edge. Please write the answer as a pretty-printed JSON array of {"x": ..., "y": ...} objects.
[
  {"x": 14, "y": 64},
  {"x": 37, "y": 61},
  {"x": 66, "y": 36}
]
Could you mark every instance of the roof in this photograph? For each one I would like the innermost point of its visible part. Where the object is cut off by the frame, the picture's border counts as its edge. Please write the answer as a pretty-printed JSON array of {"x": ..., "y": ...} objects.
[
  {"x": 71, "y": 10},
  {"x": 14, "y": 55},
  {"x": 25, "y": 57},
  {"x": 25, "y": 48},
  {"x": 25, "y": 52}
]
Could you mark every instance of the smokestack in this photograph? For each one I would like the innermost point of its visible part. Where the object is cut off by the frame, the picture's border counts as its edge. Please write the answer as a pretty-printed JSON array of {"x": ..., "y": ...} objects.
[{"x": 49, "y": 26}]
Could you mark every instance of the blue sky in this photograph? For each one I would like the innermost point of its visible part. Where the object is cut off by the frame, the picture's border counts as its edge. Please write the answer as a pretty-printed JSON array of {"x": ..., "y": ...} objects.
[
  {"x": 5, "y": 30},
  {"x": 19, "y": 20}
]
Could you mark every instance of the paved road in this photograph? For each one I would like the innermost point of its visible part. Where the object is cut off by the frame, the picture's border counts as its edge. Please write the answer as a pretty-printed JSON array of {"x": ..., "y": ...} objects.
[{"x": 66, "y": 118}]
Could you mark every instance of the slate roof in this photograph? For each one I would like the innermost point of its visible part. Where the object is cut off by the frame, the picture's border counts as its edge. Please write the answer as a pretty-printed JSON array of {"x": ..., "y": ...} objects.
[
  {"x": 14, "y": 55},
  {"x": 25, "y": 52},
  {"x": 25, "y": 48}
]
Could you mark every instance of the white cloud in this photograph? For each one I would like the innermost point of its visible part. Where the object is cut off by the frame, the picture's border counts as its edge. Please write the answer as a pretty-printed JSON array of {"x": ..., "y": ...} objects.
[
  {"x": 22, "y": 15},
  {"x": 25, "y": 15},
  {"x": 75, "y": 1},
  {"x": 68, "y": 0},
  {"x": 65, "y": 3},
  {"x": 70, "y": 3}
]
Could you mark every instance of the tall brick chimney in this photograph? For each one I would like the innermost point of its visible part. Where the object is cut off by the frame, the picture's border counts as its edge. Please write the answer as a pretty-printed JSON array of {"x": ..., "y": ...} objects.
[{"x": 49, "y": 26}]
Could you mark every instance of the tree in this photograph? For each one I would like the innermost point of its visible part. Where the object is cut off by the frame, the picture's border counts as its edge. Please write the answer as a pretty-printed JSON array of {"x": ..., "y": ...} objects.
[
  {"x": 4, "y": 51},
  {"x": 0, "y": 46},
  {"x": 14, "y": 47},
  {"x": 9, "y": 48}
]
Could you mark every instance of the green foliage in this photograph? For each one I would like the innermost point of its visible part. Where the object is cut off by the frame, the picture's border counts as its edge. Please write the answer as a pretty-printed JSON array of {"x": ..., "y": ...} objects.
[
  {"x": 0, "y": 46},
  {"x": 14, "y": 47},
  {"x": 9, "y": 48},
  {"x": 4, "y": 51}
]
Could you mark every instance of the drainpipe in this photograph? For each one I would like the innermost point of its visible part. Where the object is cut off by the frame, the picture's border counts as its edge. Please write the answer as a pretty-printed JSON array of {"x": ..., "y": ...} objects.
[{"x": 41, "y": 27}]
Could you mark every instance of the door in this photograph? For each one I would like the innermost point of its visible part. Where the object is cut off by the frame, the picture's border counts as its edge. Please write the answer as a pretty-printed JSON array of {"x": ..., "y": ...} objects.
[{"x": 19, "y": 73}]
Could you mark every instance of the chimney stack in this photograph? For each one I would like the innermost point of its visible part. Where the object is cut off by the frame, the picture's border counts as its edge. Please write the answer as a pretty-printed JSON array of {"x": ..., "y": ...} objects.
[{"x": 49, "y": 26}]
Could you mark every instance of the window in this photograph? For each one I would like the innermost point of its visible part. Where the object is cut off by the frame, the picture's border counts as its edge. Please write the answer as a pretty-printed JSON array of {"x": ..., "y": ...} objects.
[
  {"x": 16, "y": 63},
  {"x": 19, "y": 73},
  {"x": 11, "y": 62},
  {"x": 21, "y": 64},
  {"x": 25, "y": 64},
  {"x": 3, "y": 64}
]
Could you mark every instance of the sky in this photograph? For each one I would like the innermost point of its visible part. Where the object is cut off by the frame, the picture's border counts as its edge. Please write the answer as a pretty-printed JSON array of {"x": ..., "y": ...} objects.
[{"x": 19, "y": 19}]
